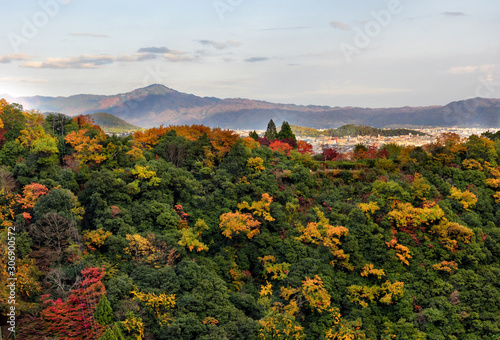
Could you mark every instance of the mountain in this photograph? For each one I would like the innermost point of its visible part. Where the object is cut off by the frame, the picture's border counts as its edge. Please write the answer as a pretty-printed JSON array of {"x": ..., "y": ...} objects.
[
  {"x": 157, "y": 104},
  {"x": 110, "y": 123},
  {"x": 352, "y": 130}
]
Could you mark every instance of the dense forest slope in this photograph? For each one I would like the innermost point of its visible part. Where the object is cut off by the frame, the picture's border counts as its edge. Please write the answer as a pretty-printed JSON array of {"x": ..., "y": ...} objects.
[
  {"x": 188, "y": 232},
  {"x": 157, "y": 104}
]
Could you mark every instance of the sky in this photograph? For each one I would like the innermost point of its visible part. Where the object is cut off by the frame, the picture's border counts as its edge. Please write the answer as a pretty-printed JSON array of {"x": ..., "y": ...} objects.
[{"x": 366, "y": 53}]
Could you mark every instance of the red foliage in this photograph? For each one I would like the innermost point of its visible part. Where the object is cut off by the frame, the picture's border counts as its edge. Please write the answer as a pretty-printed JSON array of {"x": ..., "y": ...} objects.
[
  {"x": 85, "y": 122},
  {"x": 330, "y": 154},
  {"x": 2, "y": 137},
  {"x": 304, "y": 147},
  {"x": 73, "y": 319},
  {"x": 263, "y": 141},
  {"x": 281, "y": 147}
]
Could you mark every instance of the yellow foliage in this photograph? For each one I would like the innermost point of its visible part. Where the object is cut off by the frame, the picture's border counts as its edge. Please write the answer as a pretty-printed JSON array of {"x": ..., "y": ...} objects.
[
  {"x": 493, "y": 182},
  {"x": 369, "y": 208},
  {"x": 256, "y": 163},
  {"x": 95, "y": 238},
  {"x": 496, "y": 196},
  {"x": 190, "y": 236},
  {"x": 369, "y": 269},
  {"x": 471, "y": 164},
  {"x": 143, "y": 172},
  {"x": 162, "y": 305},
  {"x": 259, "y": 208},
  {"x": 419, "y": 188},
  {"x": 250, "y": 143},
  {"x": 446, "y": 230},
  {"x": 446, "y": 266},
  {"x": 385, "y": 293},
  {"x": 134, "y": 326},
  {"x": 280, "y": 326},
  {"x": 343, "y": 329},
  {"x": 236, "y": 223},
  {"x": 406, "y": 215},
  {"x": 466, "y": 198},
  {"x": 87, "y": 149},
  {"x": 322, "y": 233},
  {"x": 266, "y": 290},
  {"x": 279, "y": 271}
]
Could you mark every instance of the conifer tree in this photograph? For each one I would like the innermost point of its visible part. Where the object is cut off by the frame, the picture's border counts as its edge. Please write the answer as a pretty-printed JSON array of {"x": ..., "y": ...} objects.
[
  {"x": 103, "y": 312},
  {"x": 286, "y": 132},
  {"x": 271, "y": 132},
  {"x": 254, "y": 135}
]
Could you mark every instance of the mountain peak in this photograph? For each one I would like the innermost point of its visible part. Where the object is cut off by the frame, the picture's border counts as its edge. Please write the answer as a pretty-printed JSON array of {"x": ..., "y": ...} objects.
[{"x": 156, "y": 89}]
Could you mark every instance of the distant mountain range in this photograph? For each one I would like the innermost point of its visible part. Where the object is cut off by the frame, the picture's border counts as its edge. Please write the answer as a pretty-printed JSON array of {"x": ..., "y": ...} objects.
[{"x": 157, "y": 104}]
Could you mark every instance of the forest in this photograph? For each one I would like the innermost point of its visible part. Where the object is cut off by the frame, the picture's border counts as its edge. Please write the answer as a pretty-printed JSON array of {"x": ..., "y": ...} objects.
[{"x": 191, "y": 232}]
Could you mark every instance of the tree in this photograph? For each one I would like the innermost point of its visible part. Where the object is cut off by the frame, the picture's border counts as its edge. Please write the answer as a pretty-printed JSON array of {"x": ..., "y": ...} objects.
[
  {"x": 271, "y": 132},
  {"x": 103, "y": 312},
  {"x": 73, "y": 319},
  {"x": 281, "y": 147},
  {"x": 254, "y": 135},
  {"x": 286, "y": 132},
  {"x": 304, "y": 148}
]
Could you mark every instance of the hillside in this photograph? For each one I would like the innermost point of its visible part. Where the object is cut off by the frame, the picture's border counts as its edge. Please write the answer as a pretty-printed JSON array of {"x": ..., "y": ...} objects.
[
  {"x": 156, "y": 105},
  {"x": 352, "y": 130},
  {"x": 195, "y": 233},
  {"x": 112, "y": 124}
]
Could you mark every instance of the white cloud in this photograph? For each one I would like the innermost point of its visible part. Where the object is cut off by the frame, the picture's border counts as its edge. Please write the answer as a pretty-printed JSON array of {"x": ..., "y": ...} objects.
[
  {"x": 7, "y": 58},
  {"x": 462, "y": 69},
  {"x": 220, "y": 45}
]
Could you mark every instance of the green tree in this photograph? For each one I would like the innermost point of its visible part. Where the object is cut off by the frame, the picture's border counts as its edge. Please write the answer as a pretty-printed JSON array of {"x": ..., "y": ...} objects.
[
  {"x": 112, "y": 333},
  {"x": 271, "y": 132},
  {"x": 254, "y": 135},
  {"x": 103, "y": 312},
  {"x": 286, "y": 132}
]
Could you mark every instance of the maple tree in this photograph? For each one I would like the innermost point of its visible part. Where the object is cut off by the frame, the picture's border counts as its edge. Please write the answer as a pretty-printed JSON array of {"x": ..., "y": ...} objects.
[
  {"x": 466, "y": 198},
  {"x": 304, "y": 147},
  {"x": 322, "y": 233},
  {"x": 73, "y": 319},
  {"x": 88, "y": 150},
  {"x": 281, "y": 147}
]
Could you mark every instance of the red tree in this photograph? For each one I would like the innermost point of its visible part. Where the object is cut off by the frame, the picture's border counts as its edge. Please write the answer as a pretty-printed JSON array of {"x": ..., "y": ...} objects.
[
  {"x": 304, "y": 147},
  {"x": 73, "y": 319}
]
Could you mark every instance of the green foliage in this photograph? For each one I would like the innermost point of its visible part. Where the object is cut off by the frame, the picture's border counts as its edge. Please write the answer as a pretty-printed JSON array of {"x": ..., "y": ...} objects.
[
  {"x": 406, "y": 247},
  {"x": 271, "y": 132},
  {"x": 103, "y": 312}
]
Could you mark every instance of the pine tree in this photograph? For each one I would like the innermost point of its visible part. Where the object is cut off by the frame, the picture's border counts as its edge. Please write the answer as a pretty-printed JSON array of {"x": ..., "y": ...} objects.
[
  {"x": 103, "y": 312},
  {"x": 112, "y": 333},
  {"x": 254, "y": 135},
  {"x": 271, "y": 132},
  {"x": 286, "y": 132}
]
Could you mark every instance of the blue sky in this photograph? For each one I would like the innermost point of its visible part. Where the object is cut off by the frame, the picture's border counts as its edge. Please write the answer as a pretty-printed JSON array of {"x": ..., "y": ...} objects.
[{"x": 369, "y": 53}]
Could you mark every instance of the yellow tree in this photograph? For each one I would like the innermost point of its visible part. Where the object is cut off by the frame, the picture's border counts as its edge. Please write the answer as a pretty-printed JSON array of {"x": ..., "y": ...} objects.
[{"x": 322, "y": 233}]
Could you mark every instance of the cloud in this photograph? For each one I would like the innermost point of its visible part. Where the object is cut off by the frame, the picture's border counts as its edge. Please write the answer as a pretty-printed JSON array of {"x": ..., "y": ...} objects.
[
  {"x": 462, "y": 69},
  {"x": 340, "y": 25},
  {"x": 158, "y": 50},
  {"x": 81, "y": 62},
  {"x": 96, "y": 61},
  {"x": 485, "y": 68},
  {"x": 7, "y": 58},
  {"x": 92, "y": 35},
  {"x": 256, "y": 59},
  {"x": 220, "y": 45},
  {"x": 453, "y": 14}
]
